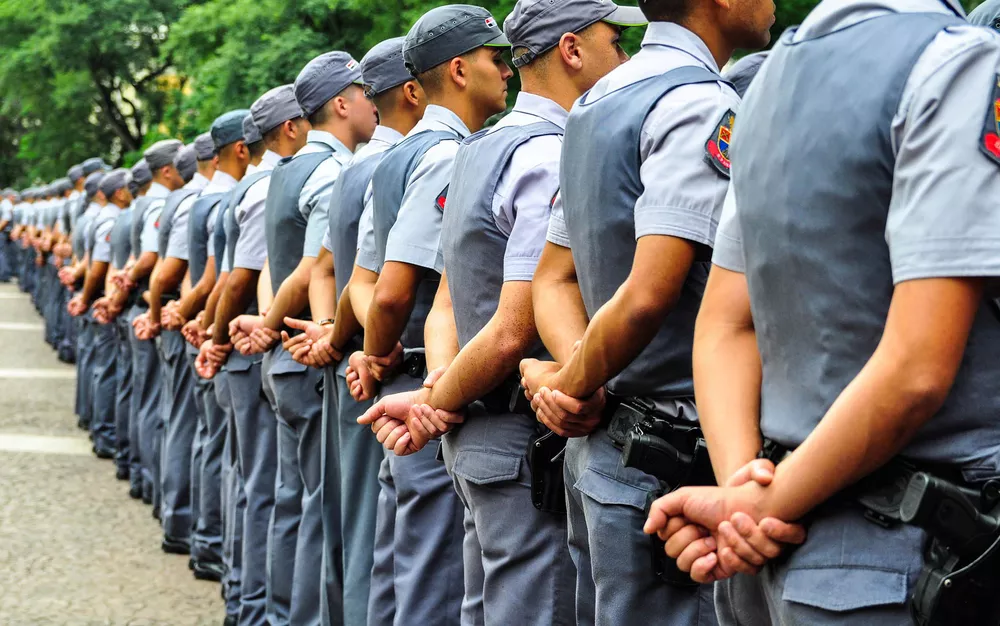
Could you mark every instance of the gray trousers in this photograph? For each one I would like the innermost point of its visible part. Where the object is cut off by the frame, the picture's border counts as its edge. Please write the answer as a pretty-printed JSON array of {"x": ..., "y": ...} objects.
[
  {"x": 257, "y": 448},
  {"x": 417, "y": 577},
  {"x": 511, "y": 549},
  {"x": 615, "y": 583},
  {"x": 233, "y": 499},
  {"x": 360, "y": 456},
  {"x": 295, "y": 542},
  {"x": 103, "y": 386},
  {"x": 332, "y": 565},
  {"x": 84, "y": 369},
  {"x": 147, "y": 416},
  {"x": 126, "y": 455},
  {"x": 178, "y": 440},
  {"x": 206, "y": 473},
  {"x": 835, "y": 577}
]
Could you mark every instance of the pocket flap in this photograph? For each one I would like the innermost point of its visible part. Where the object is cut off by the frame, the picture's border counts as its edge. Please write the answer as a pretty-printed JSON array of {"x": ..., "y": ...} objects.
[
  {"x": 238, "y": 363},
  {"x": 845, "y": 588},
  {"x": 483, "y": 468},
  {"x": 607, "y": 490},
  {"x": 285, "y": 364}
]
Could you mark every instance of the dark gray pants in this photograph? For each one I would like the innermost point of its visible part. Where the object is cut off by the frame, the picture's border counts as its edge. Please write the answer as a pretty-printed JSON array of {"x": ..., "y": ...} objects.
[
  {"x": 233, "y": 500},
  {"x": 127, "y": 455},
  {"x": 103, "y": 392},
  {"x": 178, "y": 440},
  {"x": 206, "y": 473},
  {"x": 147, "y": 412}
]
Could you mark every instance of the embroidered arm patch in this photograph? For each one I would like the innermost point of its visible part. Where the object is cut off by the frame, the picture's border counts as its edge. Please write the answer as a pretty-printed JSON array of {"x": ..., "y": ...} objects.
[
  {"x": 442, "y": 199},
  {"x": 989, "y": 143},
  {"x": 717, "y": 147}
]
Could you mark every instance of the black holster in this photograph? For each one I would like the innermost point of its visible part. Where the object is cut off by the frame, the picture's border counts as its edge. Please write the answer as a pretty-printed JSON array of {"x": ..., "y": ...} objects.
[
  {"x": 672, "y": 450},
  {"x": 546, "y": 452}
]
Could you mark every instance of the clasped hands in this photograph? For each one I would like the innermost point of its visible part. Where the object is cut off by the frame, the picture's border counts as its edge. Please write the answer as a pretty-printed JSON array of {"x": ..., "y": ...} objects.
[{"x": 404, "y": 422}]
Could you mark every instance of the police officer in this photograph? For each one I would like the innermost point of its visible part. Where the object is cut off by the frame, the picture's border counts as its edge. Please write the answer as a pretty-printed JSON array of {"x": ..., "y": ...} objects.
[
  {"x": 351, "y": 458},
  {"x": 493, "y": 232},
  {"x": 232, "y": 159},
  {"x": 839, "y": 390},
  {"x": 340, "y": 118},
  {"x": 7, "y": 200},
  {"x": 113, "y": 196},
  {"x": 644, "y": 171},
  {"x": 455, "y": 54},
  {"x": 146, "y": 370},
  {"x": 278, "y": 117}
]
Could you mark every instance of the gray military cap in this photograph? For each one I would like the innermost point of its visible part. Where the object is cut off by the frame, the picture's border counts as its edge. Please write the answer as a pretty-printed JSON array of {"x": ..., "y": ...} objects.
[
  {"x": 383, "y": 67},
  {"x": 323, "y": 78},
  {"x": 75, "y": 173},
  {"x": 162, "y": 153},
  {"x": 62, "y": 185},
  {"x": 742, "y": 72},
  {"x": 92, "y": 165},
  {"x": 113, "y": 181},
  {"x": 537, "y": 25},
  {"x": 986, "y": 14},
  {"x": 92, "y": 184},
  {"x": 204, "y": 147},
  {"x": 141, "y": 174},
  {"x": 186, "y": 162},
  {"x": 274, "y": 108},
  {"x": 228, "y": 128},
  {"x": 447, "y": 32},
  {"x": 251, "y": 134}
]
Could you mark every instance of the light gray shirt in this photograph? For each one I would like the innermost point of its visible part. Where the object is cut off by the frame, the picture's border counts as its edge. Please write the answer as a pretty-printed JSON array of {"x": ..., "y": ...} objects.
[
  {"x": 103, "y": 225},
  {"x": 314, "y": 201},
  {"x": 177, "y": 244},
  {"x": 251, "y": 246},
  {"x": 415, "y": 238},
  {"x": 150, "y": 239},
  {"x": 682, "y": 191},
  {"x": 942, "y": 219}
]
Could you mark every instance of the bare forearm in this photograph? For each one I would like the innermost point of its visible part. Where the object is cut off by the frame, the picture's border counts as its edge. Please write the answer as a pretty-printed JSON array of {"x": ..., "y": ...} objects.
[
  {"x": 143, "y": 266},
  {"x": 440, "y": 338},
  {"x": 213, "y": 299},
  {"x": 290, "y": 301},
  {"x": 195, "y": 300},
  {"x": 235, "y": 298},
  {"x": 322, "y": 288},
  {"x": 561, "y": 317},
  {"x": 265, "y": 294},
  {"x": 384, "y": 327},
  {"x": 346, "y": 325},
  {"x": 165, "y": 280},
  {"x": 480, "y": 367},
  {"x": 727, "y": 377},
  {"x": 94, "y": 280}
]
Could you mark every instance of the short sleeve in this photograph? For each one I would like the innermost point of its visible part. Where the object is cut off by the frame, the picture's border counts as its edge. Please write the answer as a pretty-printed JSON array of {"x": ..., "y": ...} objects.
[
  {"x": 943, "y": 220},
  {"x": 682, "y": 189},
  {"x": 102, "y": 242},
  {"x": 557, "y": 233},
  {"x": 327, "y": 244},
  {"x": 415, "y": 238},
  {"x": 149, "y": 238},
  {"x": 531, "y": 196},
  {"x": 315, "y": 204},
  {"x": 728, "y": 253},
  {"x": 251, "y": 245},
  {"x": 367, "y": 254},
  {"x": 177, "y": 243}
]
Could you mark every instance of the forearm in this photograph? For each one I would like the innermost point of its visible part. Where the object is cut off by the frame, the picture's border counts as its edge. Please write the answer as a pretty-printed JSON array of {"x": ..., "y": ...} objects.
[
  {"x": 195, "y": 300},
  {"x": 346, "y": 325},
  {"x": 265, "y": 294},
  {"x": 727, "y": 378},
  {"x": 143, "y": 266},
  {"x": 485, "y": 362},
  {"x": 440, "y": 337},
  {"x": 165, "y": 280},
  {"x": 93, "y": 281},
  {"x": 213, "y": 300},
  {"x": 234, "y": 300},
  {"x": 560, "y": 315},
  {"x": 290, "y": 301},
  {"x": 322, "y": 287},
  {"x": 384, "y": 326}
]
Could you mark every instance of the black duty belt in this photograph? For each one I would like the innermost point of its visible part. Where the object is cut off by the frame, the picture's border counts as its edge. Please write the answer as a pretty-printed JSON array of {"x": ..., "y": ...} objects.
[
  {"x": 508, "y": 397},
  {"x": 414, "y": 365},
  {"x": 623, "y": 414}
]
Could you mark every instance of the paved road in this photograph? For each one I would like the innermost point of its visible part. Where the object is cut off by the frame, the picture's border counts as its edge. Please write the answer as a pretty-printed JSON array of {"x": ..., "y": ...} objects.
[{"x": 74, "y": 548}]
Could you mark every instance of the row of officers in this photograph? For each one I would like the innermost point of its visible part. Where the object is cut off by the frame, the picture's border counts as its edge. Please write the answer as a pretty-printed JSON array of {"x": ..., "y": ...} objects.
[{"x": 618, "y": 358}]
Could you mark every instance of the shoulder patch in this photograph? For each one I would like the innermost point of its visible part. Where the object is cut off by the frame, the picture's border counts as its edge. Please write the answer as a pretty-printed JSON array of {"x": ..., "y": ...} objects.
[
  {"x": 717, "y": 147},
  {"x": 107, "y": 238},
  {"x": 442, "y": 199},
  {"x": 989, "y": 143}
]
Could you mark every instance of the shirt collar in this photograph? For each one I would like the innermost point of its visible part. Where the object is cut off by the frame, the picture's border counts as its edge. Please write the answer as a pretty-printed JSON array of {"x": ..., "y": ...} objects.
[
  {"x": 268, "y": 161},
  {"x": 542, "y": 107},
  {"x": 321, "y": 136},
  {"x": 386, "y": 135},
  {"x": 198, "y": 183},
  {"x": 833, "y": 15},
  {"x": 251, "y": 169},
  {"x": 222, "y": 181},
  {"x": 447, "y": 117},
  {"x": 156, "y": 190},
  {"x": 676, "y": 36}
]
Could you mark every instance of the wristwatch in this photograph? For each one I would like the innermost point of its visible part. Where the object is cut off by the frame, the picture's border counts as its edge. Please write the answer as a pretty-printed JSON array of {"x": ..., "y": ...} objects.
[{"x": 325, "y": 322}]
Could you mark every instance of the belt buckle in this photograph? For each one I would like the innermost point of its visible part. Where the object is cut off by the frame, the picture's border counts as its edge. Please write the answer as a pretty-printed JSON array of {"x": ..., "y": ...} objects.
[{"x": 624, "y": 420}]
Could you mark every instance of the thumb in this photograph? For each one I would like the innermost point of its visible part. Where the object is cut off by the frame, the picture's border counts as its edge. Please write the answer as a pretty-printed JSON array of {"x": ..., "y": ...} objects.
[
  {"x": 371, "y": 415},
  {"x": 297, "y": 324},
  {"x": 434, "y": 376}
]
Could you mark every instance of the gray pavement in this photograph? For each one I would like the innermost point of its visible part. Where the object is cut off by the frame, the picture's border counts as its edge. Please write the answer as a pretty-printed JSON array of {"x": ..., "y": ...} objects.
[{"x": 74, "y": 548}]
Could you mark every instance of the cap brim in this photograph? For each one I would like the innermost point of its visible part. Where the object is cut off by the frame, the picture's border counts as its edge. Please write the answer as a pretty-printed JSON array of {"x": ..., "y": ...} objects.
[
  {"x": 626, "y": 16},
  {"x": 499, "y": 41}
]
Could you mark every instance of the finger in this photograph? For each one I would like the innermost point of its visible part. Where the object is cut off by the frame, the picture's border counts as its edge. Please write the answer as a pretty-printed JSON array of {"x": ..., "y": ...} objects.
[
  {"x": 703, "y": 569},
  {"x": 733, "y": 563},
  {"x": 297, "y": 324},
  {"x": 783, "y": 532},
  {"x": 402, "y": 445},
  {"x": 372, "y": 414},
  {"x": 387, "y": 430},
  {"x": 681, "y": 539},
  {"x": 394, "y": 436},
  {"x": 694, "y": 551},
  {"x": 674, "y": 524},
  {"x": 760, "y": 471},
  {"x": 670, "y": 505},
  {"x": 735, "y": 542}
]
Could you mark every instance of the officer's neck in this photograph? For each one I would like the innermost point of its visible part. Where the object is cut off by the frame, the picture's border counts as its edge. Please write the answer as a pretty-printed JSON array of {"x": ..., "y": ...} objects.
[
  {"x": 233, "y": 167},
  {"x": 341, "y": 131},
  {"x": 471, "y": 115},
  {"x": 707, "y": 29},
  {"x": 120, "y": 205},
  {"x": 558, "y": 88}
]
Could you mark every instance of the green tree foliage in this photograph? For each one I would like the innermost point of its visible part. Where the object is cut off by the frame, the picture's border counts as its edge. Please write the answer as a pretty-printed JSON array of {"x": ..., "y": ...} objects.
[{"x": 109, "y": 77}]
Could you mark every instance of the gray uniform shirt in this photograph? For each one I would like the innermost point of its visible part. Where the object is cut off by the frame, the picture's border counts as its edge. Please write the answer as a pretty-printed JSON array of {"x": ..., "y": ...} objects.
[
  {"x": 251, "y": 246},
  {"x": 314, "y": 202},
  {"x": 177, "y": 245},
  {"x": 150, "y": 238}
]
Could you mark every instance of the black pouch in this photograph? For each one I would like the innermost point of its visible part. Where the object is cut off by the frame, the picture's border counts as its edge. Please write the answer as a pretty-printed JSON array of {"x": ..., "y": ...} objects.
[
  {"x": 545, "y": 460},
  {"x": 664, "y": 567}
]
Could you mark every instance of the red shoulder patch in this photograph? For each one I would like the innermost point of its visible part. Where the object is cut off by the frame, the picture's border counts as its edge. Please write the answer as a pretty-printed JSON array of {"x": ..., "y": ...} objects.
[
  {"x": 442, "y": 199},
  {"x": 989, "y": 143},
  {"x": 717, "y": 146}
]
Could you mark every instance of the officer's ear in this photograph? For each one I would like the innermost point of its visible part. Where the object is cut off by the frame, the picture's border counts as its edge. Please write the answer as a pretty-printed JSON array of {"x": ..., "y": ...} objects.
[
  {"x": 569, "y": 51},
  {"x": 458, "y": 72},
  {"x": 413, "y": 93}
]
